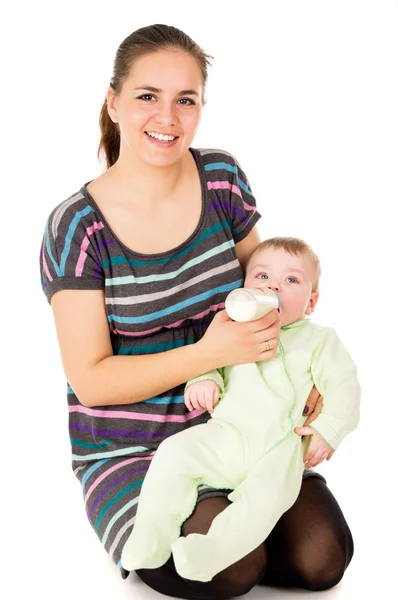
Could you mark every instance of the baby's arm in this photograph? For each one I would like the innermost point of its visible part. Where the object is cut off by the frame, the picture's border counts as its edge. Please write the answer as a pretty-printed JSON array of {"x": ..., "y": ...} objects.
[
  {"x": 335, "y": 376},
  {"x": 204, "y": 391}
]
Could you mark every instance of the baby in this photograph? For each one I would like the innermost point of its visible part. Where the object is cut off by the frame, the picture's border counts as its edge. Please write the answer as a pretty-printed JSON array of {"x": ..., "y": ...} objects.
[{"x": 252, "y": 443}]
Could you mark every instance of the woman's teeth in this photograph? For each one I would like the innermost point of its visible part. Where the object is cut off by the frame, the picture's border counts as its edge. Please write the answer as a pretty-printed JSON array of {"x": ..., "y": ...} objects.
[{"x": 161, "y": 137}]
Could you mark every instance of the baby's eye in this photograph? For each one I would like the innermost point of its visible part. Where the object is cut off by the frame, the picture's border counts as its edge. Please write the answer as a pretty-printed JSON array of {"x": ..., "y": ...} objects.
[
  {"x": 261, "y": 275},
  {"x": 292, "y": 279}
]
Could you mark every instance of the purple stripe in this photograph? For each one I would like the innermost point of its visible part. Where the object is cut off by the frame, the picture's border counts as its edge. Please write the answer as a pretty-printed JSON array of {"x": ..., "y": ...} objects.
[
  {"x": 117, "y": 432},
  {"x": 97, "y": 272},
  {"x": 228, "y": 209},
  {"x": 106, "y": 243},
  {"x": 113, "y": 484}
]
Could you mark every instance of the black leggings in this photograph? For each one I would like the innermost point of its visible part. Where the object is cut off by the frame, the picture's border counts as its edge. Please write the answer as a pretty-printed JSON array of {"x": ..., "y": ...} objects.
[{"x": 310, "y": 547}]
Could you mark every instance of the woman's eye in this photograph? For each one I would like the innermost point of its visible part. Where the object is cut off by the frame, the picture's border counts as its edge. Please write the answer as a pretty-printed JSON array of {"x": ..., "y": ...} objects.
[
  {"x": 262, "y": 274},
  {"x": 186, "y": 101},
  {"x": 292, "y": 280},
  {"x": 146, "y": 97}
]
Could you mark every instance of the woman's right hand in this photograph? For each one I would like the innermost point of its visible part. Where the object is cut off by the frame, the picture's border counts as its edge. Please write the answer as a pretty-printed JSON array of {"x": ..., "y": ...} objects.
[{"x": 233, "y": 343}]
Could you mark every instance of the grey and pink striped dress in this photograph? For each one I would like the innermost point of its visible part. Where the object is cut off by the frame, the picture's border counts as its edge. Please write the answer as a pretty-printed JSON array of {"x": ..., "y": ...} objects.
[{"x": 154, "y": 303}]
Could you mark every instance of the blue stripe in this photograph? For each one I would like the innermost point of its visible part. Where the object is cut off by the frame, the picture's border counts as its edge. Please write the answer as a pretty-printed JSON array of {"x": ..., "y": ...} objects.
[
  {"x": 69, "y": 236},
  {"x": 231, "y": 169},
  {"x": 154, "y": 348},
  {"x": 113, "y": 501},
  {"x": 221, "y": 165},
  {"x": 111, "y": 454},
  {"x": 76, "y": 442},
  {"x": 91, "y": 470},
  {"x": 120, "y": 260},
  {"x": 166, "y": 400},
  {"x": 50, "y": 254},
  {"x": 176, "y": 307}
]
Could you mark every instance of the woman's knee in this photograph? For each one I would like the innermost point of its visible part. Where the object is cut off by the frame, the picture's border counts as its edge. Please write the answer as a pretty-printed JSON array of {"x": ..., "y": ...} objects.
[
  {"x": 237, "y": 579},
  {"x": 327, "y": 569}
]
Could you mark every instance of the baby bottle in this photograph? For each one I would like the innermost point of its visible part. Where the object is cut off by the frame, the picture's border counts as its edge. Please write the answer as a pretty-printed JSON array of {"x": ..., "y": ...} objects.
[{"x": 249, "y": 304}]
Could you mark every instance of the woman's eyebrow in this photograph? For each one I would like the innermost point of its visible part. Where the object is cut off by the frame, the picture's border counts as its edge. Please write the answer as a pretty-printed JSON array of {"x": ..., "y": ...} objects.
[{"x": 150, "y": 88}]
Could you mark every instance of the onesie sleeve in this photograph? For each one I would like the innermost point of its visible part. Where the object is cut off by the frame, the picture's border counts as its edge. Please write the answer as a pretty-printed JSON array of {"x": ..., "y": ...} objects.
[
  {"x": 68, "y": 257},
  {"x": 217, "y": 375},
  {"x": 335, "y": 376}
]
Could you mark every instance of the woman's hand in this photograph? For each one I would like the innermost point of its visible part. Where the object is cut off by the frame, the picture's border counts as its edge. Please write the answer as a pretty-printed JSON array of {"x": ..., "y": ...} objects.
[
  {"x": 313, "y": 406},
  {"x": 233, "y": 343}
]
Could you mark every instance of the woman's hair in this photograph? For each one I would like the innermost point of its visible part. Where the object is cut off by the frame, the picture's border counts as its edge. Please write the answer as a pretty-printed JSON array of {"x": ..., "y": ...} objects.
[
  {"x": 143, "y": 41},
  {"x": 291, "y": 245}
]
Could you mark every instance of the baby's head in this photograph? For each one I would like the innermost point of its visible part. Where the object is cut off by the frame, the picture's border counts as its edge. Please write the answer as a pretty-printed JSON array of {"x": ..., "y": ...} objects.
[{"x": 288, "y": 266}]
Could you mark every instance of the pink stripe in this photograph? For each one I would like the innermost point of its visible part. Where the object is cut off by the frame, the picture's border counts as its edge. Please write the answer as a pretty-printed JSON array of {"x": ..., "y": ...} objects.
[
  {"x": 84, "y": 246},
  {"x": 122, "y": 414},
  {"x": 176, "y": 324},
  {"x": 248, "y": 207},
  {"x": 223, "y": 185},
  {"x": 111, "y": 470},
  {"x": 46, "y": 268}
]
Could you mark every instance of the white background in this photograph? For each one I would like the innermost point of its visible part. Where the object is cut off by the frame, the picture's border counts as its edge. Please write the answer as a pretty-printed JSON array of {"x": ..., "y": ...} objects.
[{"x": 304, "y": 94}]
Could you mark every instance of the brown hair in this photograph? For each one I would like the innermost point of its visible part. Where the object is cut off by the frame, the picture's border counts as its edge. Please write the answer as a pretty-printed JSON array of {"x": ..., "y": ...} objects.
[
  {"x": 291, "y": 245},
  {"x": 143, "y": 41}
]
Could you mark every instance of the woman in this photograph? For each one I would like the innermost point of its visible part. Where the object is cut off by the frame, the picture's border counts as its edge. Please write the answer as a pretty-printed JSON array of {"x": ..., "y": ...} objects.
[{"x": 137, "y": 265}]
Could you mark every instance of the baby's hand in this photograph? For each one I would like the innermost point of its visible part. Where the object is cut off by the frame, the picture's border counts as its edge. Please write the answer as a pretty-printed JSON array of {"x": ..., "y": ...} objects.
[
  {"x": 202, "y": 395},
  {"x": 318, "y": 450}
]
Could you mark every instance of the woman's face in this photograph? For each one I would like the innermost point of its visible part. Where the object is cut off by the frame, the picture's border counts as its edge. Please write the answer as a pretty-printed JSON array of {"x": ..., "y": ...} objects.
[{"x": 162, "y": 96}]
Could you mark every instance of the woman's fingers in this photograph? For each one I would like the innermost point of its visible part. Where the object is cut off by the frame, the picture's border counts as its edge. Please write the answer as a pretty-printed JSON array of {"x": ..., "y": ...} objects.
[
  {"x": 311, "y": 401},
  {"x": 266, "y": 322},
  {"x": 317, "y": 410},
  {"x": 304, "y": 430},
  {"x": 313, "y": 406}
]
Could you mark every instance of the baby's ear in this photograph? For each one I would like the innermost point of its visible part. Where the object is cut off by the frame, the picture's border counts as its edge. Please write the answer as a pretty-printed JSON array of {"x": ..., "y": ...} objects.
[{"x": 312, "y": 303}]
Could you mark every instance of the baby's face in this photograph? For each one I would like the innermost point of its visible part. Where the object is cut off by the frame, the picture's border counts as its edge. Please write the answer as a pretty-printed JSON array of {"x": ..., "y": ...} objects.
[{"x": 291, "y": 276}]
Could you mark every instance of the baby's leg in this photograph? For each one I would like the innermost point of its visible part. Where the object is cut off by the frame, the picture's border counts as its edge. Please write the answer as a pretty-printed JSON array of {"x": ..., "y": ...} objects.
[
  {"x": 269, "y": 489},
  {"x": 169, "y": 492}
]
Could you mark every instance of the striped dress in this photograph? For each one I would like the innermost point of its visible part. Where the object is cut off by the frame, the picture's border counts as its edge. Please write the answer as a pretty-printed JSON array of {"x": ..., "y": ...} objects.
[{"x": 154, "y": 303}]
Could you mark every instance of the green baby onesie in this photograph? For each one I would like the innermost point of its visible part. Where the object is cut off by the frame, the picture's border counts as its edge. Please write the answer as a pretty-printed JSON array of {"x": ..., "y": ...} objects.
[{"x": 248, "y": 445}]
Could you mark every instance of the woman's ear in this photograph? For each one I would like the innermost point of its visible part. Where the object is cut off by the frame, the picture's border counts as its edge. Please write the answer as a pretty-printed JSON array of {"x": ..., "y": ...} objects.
[
  {"x": 111, "y": 105},
  {"x": 312, "y": 303}
]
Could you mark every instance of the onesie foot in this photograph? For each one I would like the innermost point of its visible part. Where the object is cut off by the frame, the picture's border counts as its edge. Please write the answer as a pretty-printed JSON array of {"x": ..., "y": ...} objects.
[
  {"x": 144, "y": 549},
  {"x": 193, "y": 558}
]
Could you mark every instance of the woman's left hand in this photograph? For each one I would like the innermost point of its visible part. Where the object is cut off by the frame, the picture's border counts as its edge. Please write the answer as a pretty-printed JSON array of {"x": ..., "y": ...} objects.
[{"x": 313, "y": 405}]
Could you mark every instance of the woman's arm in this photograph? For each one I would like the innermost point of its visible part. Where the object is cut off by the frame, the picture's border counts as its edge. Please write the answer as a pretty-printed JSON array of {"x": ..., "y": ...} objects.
[
  {"x": 97, "y": 377},
  {"x": 245, "y": 247}
]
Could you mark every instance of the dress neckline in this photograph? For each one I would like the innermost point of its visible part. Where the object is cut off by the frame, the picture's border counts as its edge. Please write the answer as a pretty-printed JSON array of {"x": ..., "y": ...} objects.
[{"x": 91, "y": 202}]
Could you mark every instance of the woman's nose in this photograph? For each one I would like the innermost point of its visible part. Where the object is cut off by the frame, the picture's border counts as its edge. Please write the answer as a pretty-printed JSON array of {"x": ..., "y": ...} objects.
[{"x": 166, "y": 115}]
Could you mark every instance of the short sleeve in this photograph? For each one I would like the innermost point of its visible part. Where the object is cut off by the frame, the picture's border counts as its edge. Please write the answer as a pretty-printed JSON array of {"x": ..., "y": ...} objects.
[
  {"x": 229, "y": 184},
  {"x": 69, "y": 257},
  {"x": 244, "y": 213}
]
